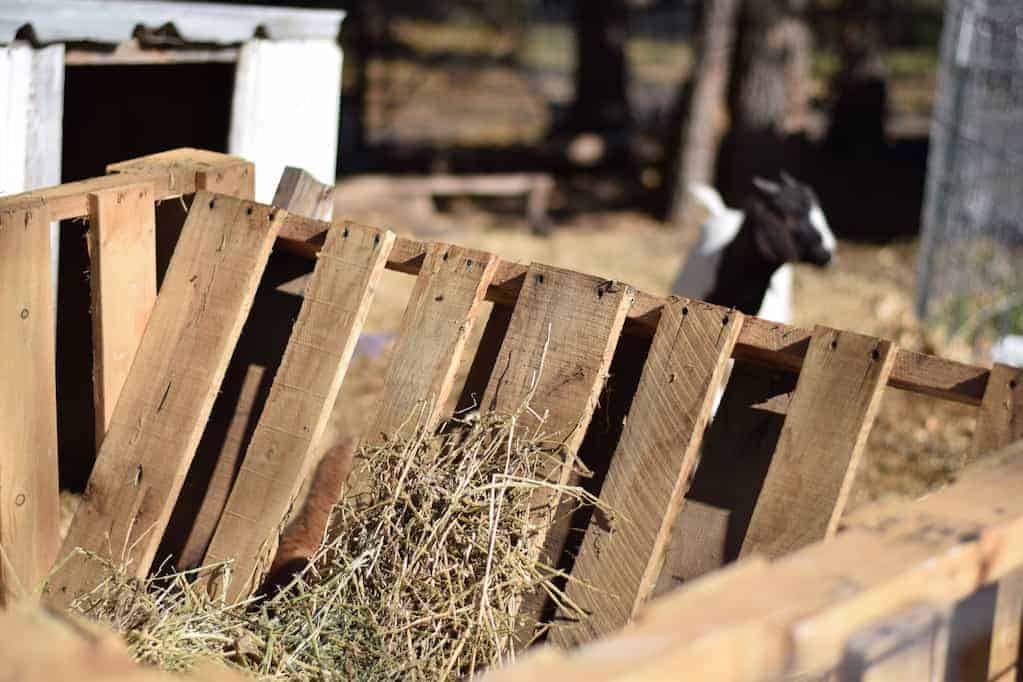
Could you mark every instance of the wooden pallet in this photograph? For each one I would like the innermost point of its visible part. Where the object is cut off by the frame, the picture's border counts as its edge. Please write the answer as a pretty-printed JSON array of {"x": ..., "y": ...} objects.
[{"x": 769, "y": 477}]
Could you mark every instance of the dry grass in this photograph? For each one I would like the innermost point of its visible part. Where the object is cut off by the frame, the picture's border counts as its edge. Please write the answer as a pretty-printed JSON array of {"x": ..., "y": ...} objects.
[{"x": 419, "y": 577}]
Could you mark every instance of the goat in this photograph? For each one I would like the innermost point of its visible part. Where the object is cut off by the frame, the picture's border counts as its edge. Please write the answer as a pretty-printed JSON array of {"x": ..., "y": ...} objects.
[{"x": 742, "y": 258}]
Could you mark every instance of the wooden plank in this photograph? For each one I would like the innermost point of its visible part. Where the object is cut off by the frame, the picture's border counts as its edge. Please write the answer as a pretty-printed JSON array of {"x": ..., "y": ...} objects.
[
  {"x": 554, "y": 359},
  {"x": 998, "y": 608},
  {"x": 557, "y": 350},
  {"x": 236, "y": 179},
  {"x": 170, "y": 390},
  {"x": 620, "y": 560},
  {"x": 909, "y": 646},
  {"x": 811, "y": 473},
  {"x": 436, "y": 324},
  {"x": 122, "y": 250},
  {"x": 282, "y": 450},
  {"x": 28, "y": 403},
  {"x": 737, "y": 452},
  {"x": 301, "y": 193}
]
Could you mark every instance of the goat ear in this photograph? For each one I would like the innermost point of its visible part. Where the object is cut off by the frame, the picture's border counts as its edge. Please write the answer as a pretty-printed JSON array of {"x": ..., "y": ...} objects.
[
  {"x": 766, "y": 186},
  {"x": 788, "y": 179}
]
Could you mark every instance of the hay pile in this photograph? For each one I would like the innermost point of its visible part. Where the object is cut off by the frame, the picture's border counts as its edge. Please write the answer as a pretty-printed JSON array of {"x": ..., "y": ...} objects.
[{"x": 418, "y": 578}]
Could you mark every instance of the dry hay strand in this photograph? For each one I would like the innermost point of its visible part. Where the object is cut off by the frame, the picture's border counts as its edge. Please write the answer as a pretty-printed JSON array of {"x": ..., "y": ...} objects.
[{"x": 419, "y": 576}]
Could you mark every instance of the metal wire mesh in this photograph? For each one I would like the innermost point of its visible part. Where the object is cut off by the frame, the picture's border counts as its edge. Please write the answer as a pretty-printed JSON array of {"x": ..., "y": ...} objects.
[{"x": 970, "y": 284}]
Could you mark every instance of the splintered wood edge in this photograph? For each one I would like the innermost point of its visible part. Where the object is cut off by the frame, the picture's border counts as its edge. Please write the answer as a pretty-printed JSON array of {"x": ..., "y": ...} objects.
[{"x": 177, "y": 172}]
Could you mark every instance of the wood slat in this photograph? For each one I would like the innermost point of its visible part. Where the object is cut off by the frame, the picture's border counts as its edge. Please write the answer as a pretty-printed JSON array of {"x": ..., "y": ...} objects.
[
  {"x": 557, "y": 350},
  {"x": 170, "y": 390},
  {"x": 998, "y": 609},
  {"x": 809, "y": 478},
  {"x": 436, "y": 324},
  {"x": 28, "y": 403},
  {"x": 737, "y": 451},
  {"x": 283, "y": 447},
  {"x": 122, "y": 252},
  {"x": 620, "y": 560},
  {"x": 555, "y": 358}
]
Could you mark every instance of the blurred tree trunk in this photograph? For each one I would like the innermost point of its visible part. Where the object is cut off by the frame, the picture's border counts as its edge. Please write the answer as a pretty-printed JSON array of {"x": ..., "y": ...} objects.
[
  {"x": 857, "y": 126},
  {"x": 601, "y": 76},
  {"x": 701, "y": 118},
  {"x": 769, "y": 94}
]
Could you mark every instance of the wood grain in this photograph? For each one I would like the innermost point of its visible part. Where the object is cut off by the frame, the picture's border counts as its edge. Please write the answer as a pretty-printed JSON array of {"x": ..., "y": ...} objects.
[
  {"x": 28, "y": 403},
  {"x": 283, "y": 448},
  {"x": 438, "y": 318},
  {"x": 554, "y": 359},
  {"x": 122, "y": 251},
  {"x": 170, "y": 390},
  {"x": 807, "y": 484},
  {"x": 737, "y": 452},
  {"x": 620, "y": 559}
]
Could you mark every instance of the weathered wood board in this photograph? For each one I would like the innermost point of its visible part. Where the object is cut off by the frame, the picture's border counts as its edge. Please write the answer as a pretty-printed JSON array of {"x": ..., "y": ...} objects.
[
  {"x": 169, "y": 392},
  {"x": 554, "y": 361},
  {"x": 281, "y": 453},
  {"x": 438, "y": 319},
  {"x": 28, "y": 403},
  {"x": 620, "y": 559},
  {"x": 122, "y": 250},
  {"x": 809, "y": 478}
]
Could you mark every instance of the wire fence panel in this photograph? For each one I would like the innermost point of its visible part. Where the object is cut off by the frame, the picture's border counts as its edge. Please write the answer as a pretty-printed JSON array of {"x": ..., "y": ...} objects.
[{"x": 971, "y": 285}]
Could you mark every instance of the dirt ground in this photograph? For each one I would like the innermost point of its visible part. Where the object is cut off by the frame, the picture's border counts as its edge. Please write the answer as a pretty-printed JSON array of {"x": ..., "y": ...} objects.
[{"x": 917, "y": 441}]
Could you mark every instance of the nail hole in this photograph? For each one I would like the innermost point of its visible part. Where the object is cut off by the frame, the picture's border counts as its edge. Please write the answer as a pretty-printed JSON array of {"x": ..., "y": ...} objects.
[
  {"x": 445, "y": 256},
  {"x": 875, "y": 354},
  {"x": 539, "y": 279},
  {"x": 24, "y": 313},
  {"x": 600, "y": 292},
  {"x": 344, "y": 233},
  {"x": 248, "y": 211},
  {"x": 468, "y": 263},
  {"x": 834, "y": 344},
  {"x": 212, "y": 202},
  {"x": 685, "y": 311},
  {"x": 439, "y": 297},
  {"x": 1013, "y": 384},
  {"x": 376, "y": 240},
  {"x": 724, "y": 320}
]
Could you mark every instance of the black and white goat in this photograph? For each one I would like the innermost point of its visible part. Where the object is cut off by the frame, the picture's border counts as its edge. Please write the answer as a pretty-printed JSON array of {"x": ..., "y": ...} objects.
[{"x": 742, "y": 258}]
